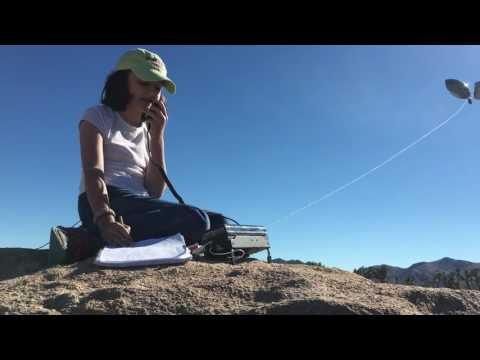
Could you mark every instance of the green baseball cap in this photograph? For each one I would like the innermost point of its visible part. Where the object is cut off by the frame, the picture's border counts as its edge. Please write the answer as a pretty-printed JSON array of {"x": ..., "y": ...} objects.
[{"x": 147, "y": 65}]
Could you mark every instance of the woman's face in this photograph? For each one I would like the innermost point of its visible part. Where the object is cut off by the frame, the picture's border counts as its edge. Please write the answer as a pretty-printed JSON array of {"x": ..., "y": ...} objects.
[{"x": 142, "y": 92}]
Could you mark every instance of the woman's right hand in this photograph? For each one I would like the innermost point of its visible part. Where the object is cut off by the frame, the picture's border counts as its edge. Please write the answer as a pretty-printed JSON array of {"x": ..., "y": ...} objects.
[{"x": 114, "y": 233}]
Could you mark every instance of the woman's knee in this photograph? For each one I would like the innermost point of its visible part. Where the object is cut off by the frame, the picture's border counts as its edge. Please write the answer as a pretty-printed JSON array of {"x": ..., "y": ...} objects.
[{"x": 201, "y": 219}]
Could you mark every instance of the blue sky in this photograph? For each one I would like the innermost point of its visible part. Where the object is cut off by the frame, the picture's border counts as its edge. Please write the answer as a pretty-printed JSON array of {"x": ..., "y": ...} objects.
[{"x": 256, "y": 132}]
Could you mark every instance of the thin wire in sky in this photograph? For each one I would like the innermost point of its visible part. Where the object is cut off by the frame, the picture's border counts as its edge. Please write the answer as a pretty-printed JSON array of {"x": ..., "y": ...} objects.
[{"x": 391, "y": 158}]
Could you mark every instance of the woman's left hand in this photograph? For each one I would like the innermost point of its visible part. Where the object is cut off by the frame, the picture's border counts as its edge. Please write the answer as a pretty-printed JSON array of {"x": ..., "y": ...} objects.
[{"x": 158, "y": 115}]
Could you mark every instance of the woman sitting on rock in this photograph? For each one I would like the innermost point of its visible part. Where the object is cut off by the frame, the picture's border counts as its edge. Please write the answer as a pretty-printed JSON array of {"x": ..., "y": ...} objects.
[{"x": 122, "y": 153}]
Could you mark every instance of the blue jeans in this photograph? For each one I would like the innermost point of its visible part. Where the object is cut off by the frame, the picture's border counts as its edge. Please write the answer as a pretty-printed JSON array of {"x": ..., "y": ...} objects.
[{"x": 149, "y": 217}]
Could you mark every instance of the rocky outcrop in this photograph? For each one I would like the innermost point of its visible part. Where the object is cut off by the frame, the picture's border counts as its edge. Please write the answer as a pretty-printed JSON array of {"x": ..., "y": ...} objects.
[{"x": 27, "y": 286}]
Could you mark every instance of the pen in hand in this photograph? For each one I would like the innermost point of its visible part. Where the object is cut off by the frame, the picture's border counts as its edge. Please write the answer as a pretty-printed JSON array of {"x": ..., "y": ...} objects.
[{"x": 120, "y": 220}]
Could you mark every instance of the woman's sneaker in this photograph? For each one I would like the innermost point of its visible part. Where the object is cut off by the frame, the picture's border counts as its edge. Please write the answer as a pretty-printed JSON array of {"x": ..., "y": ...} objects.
[
  {"x": 68, "y": 245},
  {"x": 57, "y": 253}
]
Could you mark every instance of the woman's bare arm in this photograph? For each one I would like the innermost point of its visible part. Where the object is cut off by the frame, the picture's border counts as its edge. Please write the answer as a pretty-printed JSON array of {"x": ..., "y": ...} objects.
[{"x": 91, "y": 146}]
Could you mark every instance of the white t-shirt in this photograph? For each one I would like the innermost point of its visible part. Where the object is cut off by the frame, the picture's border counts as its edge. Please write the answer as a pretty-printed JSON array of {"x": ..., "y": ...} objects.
[{"x": 124, "y": 149}]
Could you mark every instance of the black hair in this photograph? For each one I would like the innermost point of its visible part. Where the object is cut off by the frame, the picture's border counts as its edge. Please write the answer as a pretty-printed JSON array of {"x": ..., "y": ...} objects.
[{"x": 115, "y": 92}]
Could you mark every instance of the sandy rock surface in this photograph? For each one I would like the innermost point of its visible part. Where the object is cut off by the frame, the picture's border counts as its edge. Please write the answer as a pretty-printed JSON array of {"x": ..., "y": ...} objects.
[{"x": 28, "y": 286}]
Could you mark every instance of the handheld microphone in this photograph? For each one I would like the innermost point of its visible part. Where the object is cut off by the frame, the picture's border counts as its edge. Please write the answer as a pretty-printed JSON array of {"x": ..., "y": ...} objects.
[
  {"x": 149, "y": 106},
  {"x": 146, "y": 111}
]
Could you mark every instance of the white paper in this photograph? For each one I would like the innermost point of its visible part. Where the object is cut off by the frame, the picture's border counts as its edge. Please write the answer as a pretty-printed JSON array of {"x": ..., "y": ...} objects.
[{"x": 165, "y": 250}]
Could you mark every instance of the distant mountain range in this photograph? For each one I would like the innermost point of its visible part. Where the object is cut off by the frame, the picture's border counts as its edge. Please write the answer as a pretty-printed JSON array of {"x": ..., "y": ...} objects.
[
  {"x": 294, "y": 262},
  {"x": 446, "y": 272}
]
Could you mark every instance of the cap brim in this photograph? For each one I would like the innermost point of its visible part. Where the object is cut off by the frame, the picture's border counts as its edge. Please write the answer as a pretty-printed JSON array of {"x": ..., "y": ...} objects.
[{"x": 152, "y": 75}]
